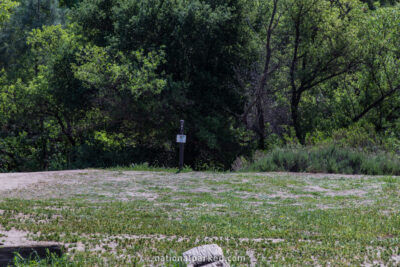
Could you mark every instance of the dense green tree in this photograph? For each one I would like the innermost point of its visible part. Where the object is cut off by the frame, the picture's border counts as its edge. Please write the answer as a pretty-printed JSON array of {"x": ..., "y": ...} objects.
[
  {"x": 202, "y": 41},
  {"x": 369, "y": 93},
  {"x": 372, "y": 3},
  {"x": 30, "y": 14},
  {"x": 6, "y": 6},
  {"x": 306, "y": 44},
  {"x": 376, "y": 87},
  {"x": 324, "y": 47},
  {"x": 104, "y": 82}
]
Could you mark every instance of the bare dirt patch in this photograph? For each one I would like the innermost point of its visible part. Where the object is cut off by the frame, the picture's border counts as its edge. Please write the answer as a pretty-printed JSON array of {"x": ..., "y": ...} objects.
[
  {"x": 353, "y": 192},
  {"x": 11, "y": 181},
  {"x": 14, "y": 238}
]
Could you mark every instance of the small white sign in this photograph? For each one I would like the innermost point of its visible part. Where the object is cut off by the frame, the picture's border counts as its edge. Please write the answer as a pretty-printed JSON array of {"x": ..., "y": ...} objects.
[{"x": 180, "y": 138}]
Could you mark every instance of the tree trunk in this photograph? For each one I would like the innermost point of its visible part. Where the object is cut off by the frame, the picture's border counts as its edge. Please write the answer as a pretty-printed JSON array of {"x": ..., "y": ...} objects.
[
  {"x": 44, "y": 157},
  {"x": 261, "y": 125},
  {"x": 294, "y": 105},
  {"x": 296, "y": 92}
]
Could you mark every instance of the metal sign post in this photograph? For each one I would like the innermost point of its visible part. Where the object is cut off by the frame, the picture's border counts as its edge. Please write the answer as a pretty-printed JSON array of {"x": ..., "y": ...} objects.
[{"x": 181, "y": 139}]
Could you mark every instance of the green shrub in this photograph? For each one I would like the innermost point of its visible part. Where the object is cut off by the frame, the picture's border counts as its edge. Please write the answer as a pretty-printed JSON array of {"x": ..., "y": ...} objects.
[
  {"x": 361, "y": 137},
  {"x": 357, "y": 136},
  {"x": 326, "y": 159}
]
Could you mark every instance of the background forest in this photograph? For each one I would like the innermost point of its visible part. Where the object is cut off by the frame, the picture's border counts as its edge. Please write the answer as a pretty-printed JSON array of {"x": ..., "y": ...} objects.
[{"x": 312, "y": 84}]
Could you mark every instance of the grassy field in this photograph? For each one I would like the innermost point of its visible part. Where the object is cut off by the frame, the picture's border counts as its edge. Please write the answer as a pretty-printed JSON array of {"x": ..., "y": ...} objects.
[{"x": 123, "y": 218}]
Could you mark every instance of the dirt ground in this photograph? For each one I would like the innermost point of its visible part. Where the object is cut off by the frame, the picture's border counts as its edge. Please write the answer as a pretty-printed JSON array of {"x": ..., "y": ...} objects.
[
  {"x": 196, "y": 193},
  {"x": 32, "y": 181},
  {"x": 11, "y": 181}
]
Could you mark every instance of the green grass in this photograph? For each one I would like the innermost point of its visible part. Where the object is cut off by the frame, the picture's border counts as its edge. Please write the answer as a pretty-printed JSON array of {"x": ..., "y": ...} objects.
[
  {"x": 147, "y": 167},
  {"x": 53, "y": 260},
  {"x": 282, "y": 220},
  {"x": 50, "y": 260},
  {"x": 326, "y": 159}
]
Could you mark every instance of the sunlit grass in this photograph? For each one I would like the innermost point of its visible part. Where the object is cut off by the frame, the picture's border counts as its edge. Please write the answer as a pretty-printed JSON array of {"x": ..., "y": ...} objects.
[
  {"x": 147, "y": 167},
  {"x": 280, "y": 220}
]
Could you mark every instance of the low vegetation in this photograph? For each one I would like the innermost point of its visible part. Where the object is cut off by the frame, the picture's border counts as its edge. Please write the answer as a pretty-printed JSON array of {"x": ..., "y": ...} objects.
[
  {"x": 147, "y": 167},
  {"x": 327, "y": 159},
  {"x": 51, "y": 260},
  {"x": 123, "y": 218}
]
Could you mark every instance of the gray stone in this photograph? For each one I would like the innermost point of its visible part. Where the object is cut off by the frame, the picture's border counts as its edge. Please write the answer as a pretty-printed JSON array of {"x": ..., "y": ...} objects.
[
  {"x": 207, "y": 256},
  {"x": 222, "y": 263}
]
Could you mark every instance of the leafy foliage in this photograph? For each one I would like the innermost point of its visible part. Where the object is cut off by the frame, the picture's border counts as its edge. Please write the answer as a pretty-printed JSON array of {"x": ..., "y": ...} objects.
[
  {"x": 6, "y": 6},
  {"x": 104, "y": 83}
]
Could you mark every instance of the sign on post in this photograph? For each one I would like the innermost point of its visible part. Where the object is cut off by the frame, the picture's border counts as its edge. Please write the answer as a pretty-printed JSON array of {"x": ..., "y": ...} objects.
[{"x": 181, "y": 138}]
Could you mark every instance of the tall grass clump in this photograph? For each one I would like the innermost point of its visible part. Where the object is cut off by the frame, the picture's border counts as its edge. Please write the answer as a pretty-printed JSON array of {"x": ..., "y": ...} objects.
[
  {"x": 36, "y": 261},
  {"x": 53, "y": 260},
  {"x": 326, "y": 159}
]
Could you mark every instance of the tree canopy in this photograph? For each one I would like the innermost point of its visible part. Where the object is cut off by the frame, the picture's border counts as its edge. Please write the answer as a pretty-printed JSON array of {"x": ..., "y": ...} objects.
[
  {"x": 6, "y": 6},
  {"x": 99, "y": 83}
]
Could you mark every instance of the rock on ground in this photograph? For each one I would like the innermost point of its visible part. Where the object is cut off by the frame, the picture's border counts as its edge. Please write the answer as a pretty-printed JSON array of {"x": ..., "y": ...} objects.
[{"x": 207, "y": 256}]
